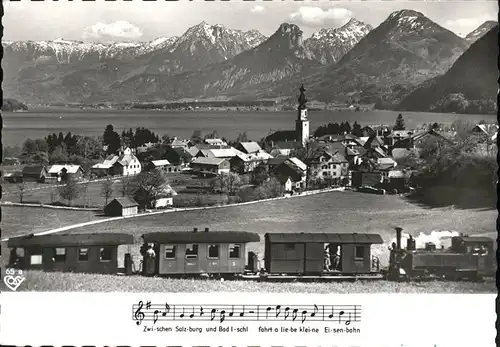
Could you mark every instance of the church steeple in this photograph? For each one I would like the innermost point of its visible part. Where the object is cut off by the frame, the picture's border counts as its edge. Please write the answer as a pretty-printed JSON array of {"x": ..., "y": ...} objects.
[
  {"x": 302, "y": 98},
  {"x": 302, "y": 123}
]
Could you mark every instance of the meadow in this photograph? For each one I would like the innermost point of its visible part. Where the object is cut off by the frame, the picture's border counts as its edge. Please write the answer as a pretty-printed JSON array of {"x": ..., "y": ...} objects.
[
  {"x": 38, "y": 123},
  {"x": 66, "y": 282},
  {"x": 339, "y": 212}
]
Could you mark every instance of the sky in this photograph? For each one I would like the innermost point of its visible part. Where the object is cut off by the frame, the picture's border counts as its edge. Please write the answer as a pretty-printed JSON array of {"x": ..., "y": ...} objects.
[{"x": 104, "y": 21}]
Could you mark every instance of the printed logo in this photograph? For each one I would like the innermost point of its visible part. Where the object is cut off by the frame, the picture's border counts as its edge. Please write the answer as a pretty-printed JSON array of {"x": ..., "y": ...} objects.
[{"x": 13, "y": 278}]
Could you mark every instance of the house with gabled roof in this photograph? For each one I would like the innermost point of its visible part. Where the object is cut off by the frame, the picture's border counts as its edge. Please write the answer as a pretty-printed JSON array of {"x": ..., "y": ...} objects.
[
  {"x": 326, "y": 165},
  {"x": 35, "y": 173},
  {"x": 64, "y": 173},
  {"x": 121, "y": 207},
  {"x": 127, "y": 164},
  {"x": 178, "y": 156},
  {"x": 106, "y": 167},
  {"x": 293, "y": 169},
  {"x": 251, "y": 147},
  {"x": 210, "y": 166}
]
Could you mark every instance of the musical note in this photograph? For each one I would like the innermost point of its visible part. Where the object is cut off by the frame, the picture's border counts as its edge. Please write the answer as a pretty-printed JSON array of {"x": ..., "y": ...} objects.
[
  {"x": 182, "y": 314},
  {"x": 304, "y": 315},
  {"x": 232, "y": 312},
  {"x": 347, "y": 322},
  {"x": 341, "y": 313},
  {"x": 295, "y": 313},
  {"x": 139, "y": 315},
  {"x": 286, "y": 312},
  {"x": 278, "y": 310},
  {"x": 331, "y": 315},
  {"x": 192, "y": 314},
  {"x": 222, "y": 315},
  {"x": 155, "y": 316},
  {"x": 148, "y": 305},
  {"x": 267, "y": 312},
  {"x": 315, "y": 311},
  {"x": 242, "y": 313},
  {"x": 213, "y": 314},
  {"x": 166, "y": 311}
]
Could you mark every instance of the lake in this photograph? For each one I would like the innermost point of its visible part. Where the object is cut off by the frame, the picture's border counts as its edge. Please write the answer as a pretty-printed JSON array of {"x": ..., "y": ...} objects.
[{"x": 38, "y": 123}]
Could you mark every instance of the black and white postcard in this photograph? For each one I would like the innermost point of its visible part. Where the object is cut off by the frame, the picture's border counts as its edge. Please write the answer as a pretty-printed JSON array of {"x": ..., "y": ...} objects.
[{"x": 249, "y": 173}]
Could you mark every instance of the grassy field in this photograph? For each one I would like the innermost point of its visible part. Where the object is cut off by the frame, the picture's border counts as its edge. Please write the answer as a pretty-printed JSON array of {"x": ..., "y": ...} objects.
[
  {"x": 47, "y": 194},
  {"x": 343, "y": 212},
  {"x": 65, "y": 282},
  {"x": 19, "y": 220}
]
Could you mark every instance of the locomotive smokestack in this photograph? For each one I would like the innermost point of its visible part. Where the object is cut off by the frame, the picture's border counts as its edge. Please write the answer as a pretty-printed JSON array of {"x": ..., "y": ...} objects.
[
  {"x": 398, "y": 238},
  {"x": 195, "y": 230}
]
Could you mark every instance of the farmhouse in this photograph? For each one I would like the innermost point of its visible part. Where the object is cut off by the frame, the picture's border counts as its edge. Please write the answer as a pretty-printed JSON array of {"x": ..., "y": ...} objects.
[
  {"x": 127, "y": 164},
  {"x": 163, "y": 165},
  {"x": 214, "y": 166},
  {"x": 248, "y": 147},
  {"x": 63, "y": 173},
  {"x": 105, "y": 168},
  {"x": 327, "y": 165},
  {"x": 215, "y": 142},
  {"x": 121, "y": 207},
  {"x": 35, "y": 174},
  {"x": 292, "y": 168}
]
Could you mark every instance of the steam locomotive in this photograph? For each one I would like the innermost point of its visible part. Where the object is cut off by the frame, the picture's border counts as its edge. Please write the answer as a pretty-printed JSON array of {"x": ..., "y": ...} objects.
[{"x": 232, "y": 254}]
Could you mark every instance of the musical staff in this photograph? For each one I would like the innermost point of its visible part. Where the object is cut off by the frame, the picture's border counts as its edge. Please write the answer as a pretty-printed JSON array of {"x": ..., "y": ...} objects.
[{"x": 341, "y": 314}]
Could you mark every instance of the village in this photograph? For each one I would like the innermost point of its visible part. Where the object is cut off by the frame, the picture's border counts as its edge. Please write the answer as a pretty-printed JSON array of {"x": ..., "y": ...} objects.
[{"x": 136, "y": 172}]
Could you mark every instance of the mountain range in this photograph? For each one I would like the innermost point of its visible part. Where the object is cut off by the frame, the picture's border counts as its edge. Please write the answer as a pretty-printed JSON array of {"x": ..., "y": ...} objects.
[
  {"x": 469, "y": 86},
  {"x": 354, "y": 62}
]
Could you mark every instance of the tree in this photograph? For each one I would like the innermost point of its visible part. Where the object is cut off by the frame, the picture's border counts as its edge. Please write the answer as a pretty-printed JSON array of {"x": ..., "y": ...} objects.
[
  {"x": 356, "y": 130},
  {"x": 213, "y": 135},
  {"x": 196, "y": 137},
  {"x": 400, "y": 123},
  {"x": 111, "y": 139},
  {"x": 242, "y": 137},
  {"x": 125, "y": 187},
  {"x": 21, "y": 190},
  {"x": 147, "y": 186},
  {"x": 228, "y": 182},
  {"x": 29, "y": 146},
  {"x": 107, "y": 189},
  {"x": 70, "y": 191},
  {"x": 84, "y": 187}
]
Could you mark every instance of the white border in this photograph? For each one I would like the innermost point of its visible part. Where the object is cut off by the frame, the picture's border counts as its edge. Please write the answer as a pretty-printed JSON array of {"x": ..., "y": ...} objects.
[{"x": 424, "y": 320}]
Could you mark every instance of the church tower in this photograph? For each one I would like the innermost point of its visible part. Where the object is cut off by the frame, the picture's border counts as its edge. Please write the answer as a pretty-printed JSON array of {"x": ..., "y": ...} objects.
[{"x": 302, "y": 123}]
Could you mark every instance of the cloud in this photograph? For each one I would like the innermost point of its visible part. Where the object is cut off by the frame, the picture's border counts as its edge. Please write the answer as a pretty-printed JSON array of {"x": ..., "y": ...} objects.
[
  {"x": 466, "y": 25},
  {"x": 117, "y": 30},
  {"x": 317, "y": 17},
  {"x": 258, "y": 9}
]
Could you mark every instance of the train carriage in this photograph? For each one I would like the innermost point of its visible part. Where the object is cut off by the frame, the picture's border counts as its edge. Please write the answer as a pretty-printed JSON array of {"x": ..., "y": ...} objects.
[
  {"x": 208, "y": 252},
  {"x": 320, "y": 253},
  {"x": 88, "y": 253}
]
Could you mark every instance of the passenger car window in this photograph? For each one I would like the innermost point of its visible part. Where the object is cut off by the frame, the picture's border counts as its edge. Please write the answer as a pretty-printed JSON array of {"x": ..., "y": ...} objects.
[
  {"x": 191, "y": 251},
  {"x": 234, "y": 251},
  {"x": 106, "y": 254},
  {"x": 213, "y": 251},
  {"x": 360, "y": 252},
  {"x": 35, "y": 256},
  {"x": 169, "y": 252},
  {"x": 59, "y": 254},
  {"x": 83, "y": 254}
]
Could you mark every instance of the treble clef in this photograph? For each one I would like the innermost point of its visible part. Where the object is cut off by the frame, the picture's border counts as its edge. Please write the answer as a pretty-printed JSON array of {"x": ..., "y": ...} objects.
[{"x": 139, "y": 315}]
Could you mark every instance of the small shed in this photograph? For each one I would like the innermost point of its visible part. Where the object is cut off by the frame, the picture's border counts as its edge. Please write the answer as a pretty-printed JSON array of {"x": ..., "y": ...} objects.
[
  {"x": 304, "y": 253},
  {"x": 121, "y": 207},
  {"x": 89, "y": 253},
  {"x": 36, "y": 173},
  {"x": 200, "y": 252}
]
